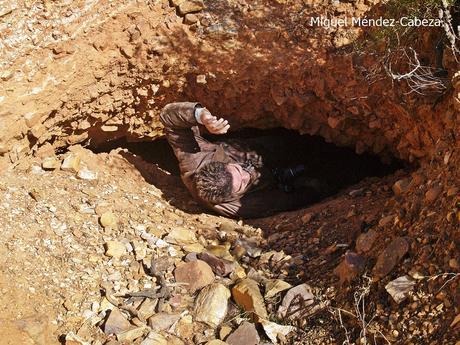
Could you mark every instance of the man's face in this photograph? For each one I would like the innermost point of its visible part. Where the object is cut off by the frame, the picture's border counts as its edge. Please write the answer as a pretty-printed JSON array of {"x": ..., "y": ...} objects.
[{"x": 240, "y": 177}]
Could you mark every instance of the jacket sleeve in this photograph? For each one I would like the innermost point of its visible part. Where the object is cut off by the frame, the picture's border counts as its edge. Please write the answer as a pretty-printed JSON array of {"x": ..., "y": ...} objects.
[
  {"x": 181, "y": 127},
  {"x": 267, "y": 202}
]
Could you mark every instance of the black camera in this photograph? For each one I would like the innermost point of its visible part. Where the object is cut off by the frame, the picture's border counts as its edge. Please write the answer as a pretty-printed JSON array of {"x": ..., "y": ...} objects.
[{"x": 285, "y": 177}]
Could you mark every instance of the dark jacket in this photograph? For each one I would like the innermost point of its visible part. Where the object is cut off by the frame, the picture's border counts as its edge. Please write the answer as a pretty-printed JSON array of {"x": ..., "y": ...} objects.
[{"x": 260, "y": 198}]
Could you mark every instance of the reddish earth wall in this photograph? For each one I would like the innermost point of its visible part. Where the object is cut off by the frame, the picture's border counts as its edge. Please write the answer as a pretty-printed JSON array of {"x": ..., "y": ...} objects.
[{"x": 102, "y": 70}]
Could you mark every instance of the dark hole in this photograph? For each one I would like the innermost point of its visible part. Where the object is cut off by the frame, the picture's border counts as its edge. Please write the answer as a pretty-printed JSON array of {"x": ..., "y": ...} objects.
[{"x": 338, "y": 167}]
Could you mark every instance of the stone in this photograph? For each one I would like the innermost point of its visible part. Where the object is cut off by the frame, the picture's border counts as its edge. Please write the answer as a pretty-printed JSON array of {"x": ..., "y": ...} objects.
[
  {"x": 224, "y": 332},
  {"x": 251, "y": 248},
  {"x": 247, "y": 295},
  {"x": 115, "y": 249},
  {"x": 107, "y": 128},
  {"x": 50, "y": 163},
  {"x": 72, "y": 339},
  {"x": 132, "y": 334},
  {"x": 274, "y": 286},
  {"x": 351, "y": 266},
  {"x": 216, "y": 342},
  {"x": 386, "y": 220},
  {"x": 191, "y": 19},
  {"x": 221, "y": 267},
  {"x": 181, "y": 236},
  {"x": 238, "y": 273},
  {"x": 399, "y": 288},
  {"x": 245, "y": 334},
  {"x": 432, "y": 194},
  {"x": 211, "y": 304},
  {"x": 32, "y": 118},
  {"x": 116, "y": 322},
  {"x": 154, "y": 338},
  {"x": 300, "y": 295},
  {"x": 453, "y": 263},
  {"x": 195, "y": 275},
  {"x": 147, "y": 308},
  {"x": 162, "y": 321},
  {"x": 221, "y": 251},
  {"x": 400, "y": 186},
  {"x": 193, "y": 248},
  {"x": 201, "y": 78},
  {"x": 3, "y": 148},
  {"x": 388, "y": 259},
  {"x": 86, "y": 174},
  {"x": 365, "y": 241},
  {"x": 275, "y": 331},
  {"x": 189, "y": 6},
  {"x": 71, "y": 163},
  {"x": 108, "y": 220}
]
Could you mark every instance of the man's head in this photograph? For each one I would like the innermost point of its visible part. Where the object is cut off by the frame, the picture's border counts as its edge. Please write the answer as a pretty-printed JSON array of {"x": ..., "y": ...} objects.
[{"x": 216, "y": 182}]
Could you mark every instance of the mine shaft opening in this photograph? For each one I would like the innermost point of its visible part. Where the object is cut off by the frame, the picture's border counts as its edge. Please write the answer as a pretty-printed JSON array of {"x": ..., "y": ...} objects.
[{"x": 332, "y": 166}]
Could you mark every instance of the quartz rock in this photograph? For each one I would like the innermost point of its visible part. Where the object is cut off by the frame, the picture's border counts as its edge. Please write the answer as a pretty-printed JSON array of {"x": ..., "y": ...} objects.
[
  {"x": 400, "y": 288},
  {"x": 71, "y": 163},
  {"x": 274, "y": 330},
  {"x": 115, "y": 249},
  {"x": 181, "y": 236},
  {"x": 211, "y": 304}
]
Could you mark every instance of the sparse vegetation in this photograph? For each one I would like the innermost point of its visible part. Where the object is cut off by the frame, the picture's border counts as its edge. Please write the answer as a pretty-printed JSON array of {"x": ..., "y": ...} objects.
[{"x": 399, "y": 45}]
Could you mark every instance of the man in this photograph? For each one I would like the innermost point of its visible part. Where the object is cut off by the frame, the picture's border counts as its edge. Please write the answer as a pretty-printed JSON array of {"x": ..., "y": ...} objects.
[{"x": 227, "y": 177}]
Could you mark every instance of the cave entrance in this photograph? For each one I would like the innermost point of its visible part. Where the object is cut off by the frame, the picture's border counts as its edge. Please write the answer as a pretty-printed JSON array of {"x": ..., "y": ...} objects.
[{"x": 337, "y": 167}]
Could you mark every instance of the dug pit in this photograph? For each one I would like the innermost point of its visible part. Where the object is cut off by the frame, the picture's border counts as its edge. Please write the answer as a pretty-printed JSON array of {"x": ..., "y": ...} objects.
[{"x": 334, "y": 167}]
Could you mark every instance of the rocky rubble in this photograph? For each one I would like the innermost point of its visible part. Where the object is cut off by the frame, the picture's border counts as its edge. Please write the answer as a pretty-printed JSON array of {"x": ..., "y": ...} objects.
[{"x": 137, "y": 270}]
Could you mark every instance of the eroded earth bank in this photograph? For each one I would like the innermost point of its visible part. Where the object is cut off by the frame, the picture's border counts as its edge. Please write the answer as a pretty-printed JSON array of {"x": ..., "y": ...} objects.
[{"x": 108, "y": 248}]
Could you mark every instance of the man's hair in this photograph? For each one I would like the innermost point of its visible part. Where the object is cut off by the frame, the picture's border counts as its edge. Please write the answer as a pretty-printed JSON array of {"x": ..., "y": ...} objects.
[{"x": 214, "y": 182}]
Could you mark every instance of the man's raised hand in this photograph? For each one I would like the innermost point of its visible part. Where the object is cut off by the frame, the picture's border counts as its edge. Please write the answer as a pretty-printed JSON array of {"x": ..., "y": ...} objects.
[{"x": 212, "y": 124}]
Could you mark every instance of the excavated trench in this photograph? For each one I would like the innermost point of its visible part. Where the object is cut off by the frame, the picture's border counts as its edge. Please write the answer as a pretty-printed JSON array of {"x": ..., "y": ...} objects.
[{"x": 334, "y": 167}]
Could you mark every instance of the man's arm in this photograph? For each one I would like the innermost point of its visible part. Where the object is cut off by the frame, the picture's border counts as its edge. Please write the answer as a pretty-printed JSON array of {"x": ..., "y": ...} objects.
[
  {"x": 267, "y": 202},
  {"x": 181, "y": 121}
]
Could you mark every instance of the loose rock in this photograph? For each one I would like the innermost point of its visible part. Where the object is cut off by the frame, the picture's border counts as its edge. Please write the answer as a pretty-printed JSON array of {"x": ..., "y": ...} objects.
[
  {"x": 162, "y": 321},
  {"x": 195, "y": 275},
  {"x": 299, "y": 295},
  {"x": 211, "y": 304},
  {"x": 399, "y": 288},
  {"x": 432, "y": 194},
  {"x": 365, "y": 241},
  {"x": 115, "y": 249},
  {"x": 50, "y": 163},
  {"x": 276, "y": 332},
  {"x": 388, "y": 259},
  {"x": 189, "y": 6},
  {"x": 181, "y": 236},
  {"x": 132, "y": 334},
  {"x": 351, "y": 266},
  {"x": 116, "y": 322},
  {"x": 246, "y": 334},
  {"x": 247, "y": 295},
  {"x": 274, "y": 286},
  {"x": 71, "y": 163},
  {"x": 108, "y": 220},
  {"x": 154, "y": 339},
  {"x": 221, "y": 267}
]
